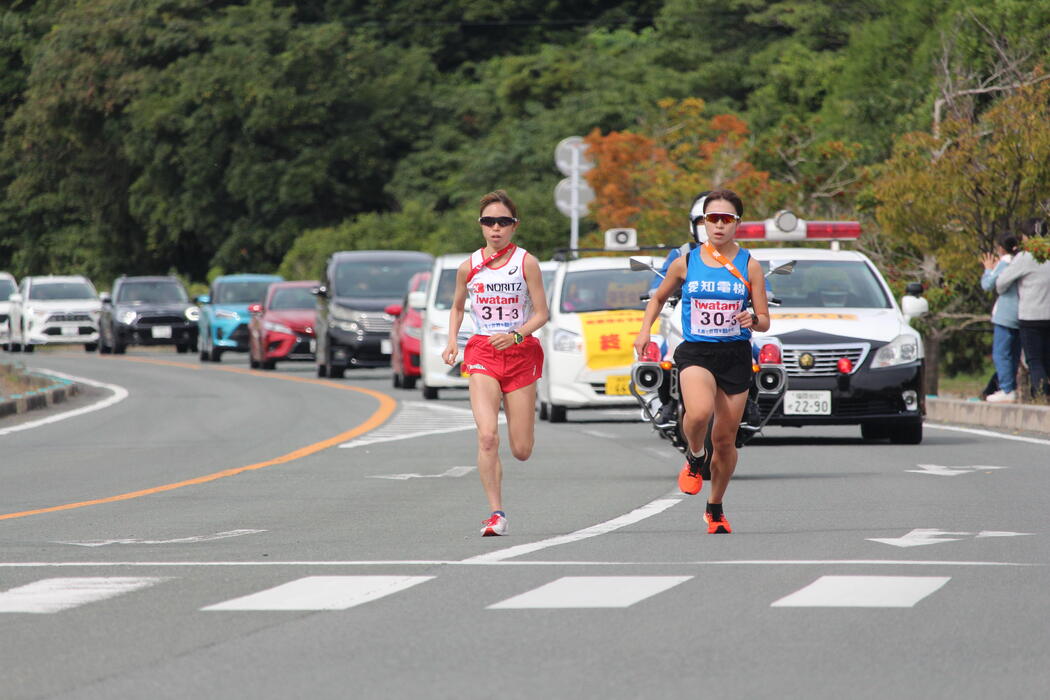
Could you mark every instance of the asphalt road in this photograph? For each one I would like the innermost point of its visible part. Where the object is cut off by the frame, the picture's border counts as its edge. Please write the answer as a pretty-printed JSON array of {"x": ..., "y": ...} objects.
[{"x": 208, "y": 531}]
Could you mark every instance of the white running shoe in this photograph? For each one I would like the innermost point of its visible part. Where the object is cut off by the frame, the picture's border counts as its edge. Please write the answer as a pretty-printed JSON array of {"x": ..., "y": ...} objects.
[
  {"x": 1002, "y": 397},
  {"x": 495, "y": 525}
]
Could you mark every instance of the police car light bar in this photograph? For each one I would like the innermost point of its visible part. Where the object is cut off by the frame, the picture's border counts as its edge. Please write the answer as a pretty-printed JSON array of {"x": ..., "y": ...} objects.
[{"x": 785, "y": 226}]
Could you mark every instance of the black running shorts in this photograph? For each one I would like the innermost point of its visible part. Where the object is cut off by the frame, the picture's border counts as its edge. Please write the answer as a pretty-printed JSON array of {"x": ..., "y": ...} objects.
[{"x": 729, "y": 362}]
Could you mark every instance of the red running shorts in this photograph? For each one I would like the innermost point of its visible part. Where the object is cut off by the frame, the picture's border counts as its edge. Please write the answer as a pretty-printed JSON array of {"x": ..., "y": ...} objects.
[{"x": 517, "y": 366}]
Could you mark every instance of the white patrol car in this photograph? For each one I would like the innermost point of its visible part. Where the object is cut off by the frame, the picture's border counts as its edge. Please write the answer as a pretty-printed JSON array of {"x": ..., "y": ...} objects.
[
  {"x": 850, "y": 355},
  {"x": 54, "y": 309},
  {"x": 434, "y": 373},
  {"x": 588, "y": 344},
  {"x": 8, "y": 286}
]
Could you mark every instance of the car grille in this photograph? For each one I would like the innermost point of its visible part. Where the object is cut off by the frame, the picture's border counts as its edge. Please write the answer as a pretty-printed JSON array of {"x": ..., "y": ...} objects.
[
  {"x": 239, "y": 334},
  {"x": 375, "y": 323},
  {"x": 68, "y": 318},
  {"x": 161, "y": 320},
  {"x": 826, "y": 359},
  {"x": 3, "y": 318}
]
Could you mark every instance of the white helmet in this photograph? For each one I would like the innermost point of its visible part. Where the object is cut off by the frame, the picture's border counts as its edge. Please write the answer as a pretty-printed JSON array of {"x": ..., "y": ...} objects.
[{"x": 696, "y": 211}]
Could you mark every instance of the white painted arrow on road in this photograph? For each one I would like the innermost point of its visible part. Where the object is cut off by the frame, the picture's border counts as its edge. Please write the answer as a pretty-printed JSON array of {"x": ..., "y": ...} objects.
[
  {"x": 938, "y": 470},
  {"x": 180, "y": 540},
  {"x": 924, "y": 536},
  {"x": 920, "y": 537},
  {"x": 453, "y": 472}
]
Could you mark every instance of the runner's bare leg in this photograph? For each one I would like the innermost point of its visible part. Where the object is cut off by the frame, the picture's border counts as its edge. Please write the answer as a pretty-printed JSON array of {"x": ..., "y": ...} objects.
[{"x": 485, "y": 397}]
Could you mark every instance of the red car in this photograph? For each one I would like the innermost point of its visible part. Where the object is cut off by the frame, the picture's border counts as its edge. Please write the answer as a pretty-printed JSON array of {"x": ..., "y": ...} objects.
[
  {"x": 407, "y": 331},
  {"x": 282, "y": 327}
]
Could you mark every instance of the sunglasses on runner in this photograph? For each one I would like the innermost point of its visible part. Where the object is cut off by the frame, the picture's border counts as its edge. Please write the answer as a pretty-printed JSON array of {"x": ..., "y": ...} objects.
[
  {"x": 718, "y": 218},
  {"x": 503, "y": 221}
]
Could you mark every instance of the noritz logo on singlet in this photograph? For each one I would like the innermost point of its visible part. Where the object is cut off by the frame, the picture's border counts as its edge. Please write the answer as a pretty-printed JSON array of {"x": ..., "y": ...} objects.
[{"x": 496, "y": 287}]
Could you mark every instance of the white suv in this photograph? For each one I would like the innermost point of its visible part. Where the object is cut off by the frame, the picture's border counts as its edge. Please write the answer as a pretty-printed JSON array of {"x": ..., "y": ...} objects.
[
  {"x": 8, "y": 286},
  {"x": 434, "y": 373},
  {"x": 52, "y": 309}
]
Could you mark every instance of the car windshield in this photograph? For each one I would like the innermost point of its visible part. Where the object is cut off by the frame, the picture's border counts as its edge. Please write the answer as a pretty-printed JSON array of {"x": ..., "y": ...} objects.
[
  {"x": 292, "y": 298},
  {"x": 828, "y": 284},
  {"x": 603, "y": 290},
  {"x": 240, "y": 292},
  {"x": 376, "y": 279},
  {"x": 153, "y": 292},
  {"x": 446, "y": 290},
  {"x": 7, "y": 288},
  {"x": 43, "y": 291}
]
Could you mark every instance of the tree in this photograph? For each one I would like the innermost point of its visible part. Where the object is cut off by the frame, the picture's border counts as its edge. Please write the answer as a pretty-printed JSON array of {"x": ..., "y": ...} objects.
[{"x": 944, "y": 200}]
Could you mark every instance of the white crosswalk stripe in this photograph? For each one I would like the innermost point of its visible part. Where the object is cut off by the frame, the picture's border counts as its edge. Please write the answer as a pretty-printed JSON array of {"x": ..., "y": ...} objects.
[
  {"x": 863, "y": 592},
  {"x": 53, "y": 595},
  {"x": 591, "y": 592},
  {"x": 322, "y": 593},
  {"x": 417, "y": 419}
]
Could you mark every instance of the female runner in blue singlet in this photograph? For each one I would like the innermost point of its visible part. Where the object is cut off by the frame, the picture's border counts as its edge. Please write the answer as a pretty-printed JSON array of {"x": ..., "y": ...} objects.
[{"x": 714, "y": 359}]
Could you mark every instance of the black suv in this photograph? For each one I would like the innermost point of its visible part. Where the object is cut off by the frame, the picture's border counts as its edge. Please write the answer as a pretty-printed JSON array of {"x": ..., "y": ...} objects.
[
  {"x": 147, "y": 311},
  {"x": 353, "y": 330}
]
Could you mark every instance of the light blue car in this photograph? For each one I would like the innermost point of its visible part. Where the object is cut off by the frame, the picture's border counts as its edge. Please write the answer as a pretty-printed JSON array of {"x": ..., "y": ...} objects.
[{"x": 224, "y": 315}]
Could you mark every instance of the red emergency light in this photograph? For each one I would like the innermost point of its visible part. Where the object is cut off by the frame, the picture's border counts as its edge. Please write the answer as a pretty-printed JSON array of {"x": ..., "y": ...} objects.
[{"x": 785, "y": 226}]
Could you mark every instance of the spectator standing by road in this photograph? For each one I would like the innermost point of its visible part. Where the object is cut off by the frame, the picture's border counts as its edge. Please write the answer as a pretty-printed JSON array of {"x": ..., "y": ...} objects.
[
  {"x": 1006, "y": 334},
  {"x": 503, "y": 358},
  {"x": 1033, "y": 308}
]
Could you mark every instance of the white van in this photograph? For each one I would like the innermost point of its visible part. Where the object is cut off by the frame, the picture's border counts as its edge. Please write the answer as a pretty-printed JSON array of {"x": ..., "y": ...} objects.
[{"x": 434, "y": 373}]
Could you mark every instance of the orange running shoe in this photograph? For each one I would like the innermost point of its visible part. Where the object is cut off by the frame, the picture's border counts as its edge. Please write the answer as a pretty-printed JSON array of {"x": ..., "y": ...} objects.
[
  {"x": 690, "y": 481},
  {"x": 717, "y": 527}
]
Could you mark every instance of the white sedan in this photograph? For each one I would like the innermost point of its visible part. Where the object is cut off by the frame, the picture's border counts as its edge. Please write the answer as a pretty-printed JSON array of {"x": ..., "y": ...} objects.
[{"x": 596, "y": 312}]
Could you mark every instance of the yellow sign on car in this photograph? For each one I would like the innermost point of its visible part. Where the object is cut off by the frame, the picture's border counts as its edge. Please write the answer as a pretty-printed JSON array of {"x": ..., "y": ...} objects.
[{"x": 608, "y": 337}]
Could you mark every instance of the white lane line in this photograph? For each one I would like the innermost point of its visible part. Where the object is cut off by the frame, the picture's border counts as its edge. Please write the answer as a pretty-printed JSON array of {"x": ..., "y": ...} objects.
[
  {"x": 468, "y": 562},
  {"x": 419, "y": 419},
  {"x": 322, "y": 593},
  {"x": 119, "y": 394},
  {"x": 591, "y": 592},
  {"x": 180, "y": 540},
  {"x": 988, "y": 433},
  {"x": 451, "y": 472},
  {"x": 863, "y": 592},
  {"x": 55, "y": 594},
  {"x": 638, "y": 514}
]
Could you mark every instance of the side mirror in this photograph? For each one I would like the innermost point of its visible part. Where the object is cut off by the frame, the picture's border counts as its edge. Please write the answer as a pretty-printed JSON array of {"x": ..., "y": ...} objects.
[
  {"x": 914, "y": 307},
  {"x": 638, "y": 265},
  {"x": 913, "y": 289},
  {"x": 15, "y": 298},
  {"x": 417, "y": 300},
  {"x": 781, "y": 267},
  {"x": 255, "y": 308},
  {"x": 203, "y": 299},
  {"x": 393, "y": 310},
  {"x": 321, "y": 291},
  {"x": 105, "y": 298}
]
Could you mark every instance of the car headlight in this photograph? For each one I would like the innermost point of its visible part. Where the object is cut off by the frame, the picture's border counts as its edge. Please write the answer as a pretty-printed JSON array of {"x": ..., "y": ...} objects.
[
  {"x": 413, "y": 331},
  {"x": 128, "y": 317},
  {"x": 278, "y": 328},
  {"x": 348, "y": 326},
  {"x": 193, "y": 313},
  {"x": 223, "y": 313},
  {"x": 567, "y": 341},
  {"x": 39, "y": 313},
  {"x": 439, "y": 337},
  {"x": 903, "y": 349}
]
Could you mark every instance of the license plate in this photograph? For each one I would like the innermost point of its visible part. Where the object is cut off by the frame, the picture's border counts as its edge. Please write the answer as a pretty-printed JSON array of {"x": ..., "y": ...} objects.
[
  {"x": 807, "y": 403},
  {"x": 385, "y": 347},
  {"x": 313, "y": 345},
  {"x": 161, "y": 331},
  {"x": 70, "y": 330},
  {"x": 617, "y": 385}
]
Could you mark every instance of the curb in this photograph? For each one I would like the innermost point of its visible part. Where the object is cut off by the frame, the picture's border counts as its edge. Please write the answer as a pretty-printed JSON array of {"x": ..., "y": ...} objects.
[
  {"x": 1005, "y": 417},
  {"x": 43, "y": 397}
]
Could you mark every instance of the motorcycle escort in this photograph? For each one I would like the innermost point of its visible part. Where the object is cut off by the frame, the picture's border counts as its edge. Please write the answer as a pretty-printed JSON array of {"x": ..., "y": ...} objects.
[{"x": 654, "y": 377}]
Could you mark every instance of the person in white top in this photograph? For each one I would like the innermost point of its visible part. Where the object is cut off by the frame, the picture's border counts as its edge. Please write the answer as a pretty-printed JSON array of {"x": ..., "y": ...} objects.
[{"x": 503, "y": 358}]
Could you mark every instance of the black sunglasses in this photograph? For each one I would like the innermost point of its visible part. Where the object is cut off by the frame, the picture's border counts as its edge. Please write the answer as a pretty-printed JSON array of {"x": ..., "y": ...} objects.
[{"x": 503, "y": 221}]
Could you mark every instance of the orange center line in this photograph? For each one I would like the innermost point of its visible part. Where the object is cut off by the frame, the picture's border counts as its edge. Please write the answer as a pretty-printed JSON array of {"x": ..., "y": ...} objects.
[{"x": 386, "y": 408}]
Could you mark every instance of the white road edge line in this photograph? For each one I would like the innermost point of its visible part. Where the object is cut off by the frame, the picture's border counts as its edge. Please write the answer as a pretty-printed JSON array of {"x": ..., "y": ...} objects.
[
  {"x": 648, "y": 510},
  {"x": 469, "y": 562},
  {"x": 988, "y": 433},
  {"x": 119, "y": 394}
]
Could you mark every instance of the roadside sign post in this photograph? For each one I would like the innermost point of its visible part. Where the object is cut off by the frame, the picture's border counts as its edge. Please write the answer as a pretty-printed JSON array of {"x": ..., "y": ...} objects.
[{"x": 573, "y": 195}]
